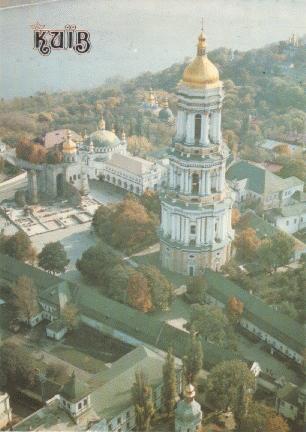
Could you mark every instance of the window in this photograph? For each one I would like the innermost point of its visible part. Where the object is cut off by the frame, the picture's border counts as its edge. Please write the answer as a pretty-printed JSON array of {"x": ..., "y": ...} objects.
[
  {"x": 128, "y": 425},
  {"x": 128, "y": 414},
  {"x": 80, "y": 405},
  {"x": 64, "y": 402},
  {"x": 119, "y": 420},
  {"x": 85, "y": 402},
  {"x": 197, "y": 127},
  {"x": 192, "y": 229},
  {"x": 195, "y": 183},
  {"x": 287, "y": 222}
]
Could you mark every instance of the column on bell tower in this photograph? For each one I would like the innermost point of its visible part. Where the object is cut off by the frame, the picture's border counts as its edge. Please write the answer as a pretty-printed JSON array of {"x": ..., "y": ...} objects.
[
  {"x": 180, "y": 125},
  {"x": 190, "y": 128},
  {"x": 204, "y": 130}
]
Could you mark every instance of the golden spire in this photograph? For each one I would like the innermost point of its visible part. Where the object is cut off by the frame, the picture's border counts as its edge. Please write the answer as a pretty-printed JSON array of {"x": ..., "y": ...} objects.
[
  {"x": 201, "y": 51},
  {"x": 166, "y": 104},
  {"x": 123, "y": 136},
  {"x": 101, "y": 124}
]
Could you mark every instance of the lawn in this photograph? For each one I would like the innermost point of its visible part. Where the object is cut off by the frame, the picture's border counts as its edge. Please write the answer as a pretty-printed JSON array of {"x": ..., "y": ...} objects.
[
  {"x": 79, "y": 359},
  {"x": 89, "y": 349},
  {"x": 154, "y": 259}
]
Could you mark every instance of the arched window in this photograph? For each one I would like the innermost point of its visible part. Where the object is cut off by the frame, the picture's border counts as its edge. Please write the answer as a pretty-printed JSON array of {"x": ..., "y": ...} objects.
[
  {"x": 197, "y": 127},
  {"x": 195, "y": 183}
]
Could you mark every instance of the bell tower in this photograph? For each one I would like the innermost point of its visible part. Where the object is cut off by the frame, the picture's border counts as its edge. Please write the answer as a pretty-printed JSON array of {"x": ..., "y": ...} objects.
[{"x": 196, "y": 230}]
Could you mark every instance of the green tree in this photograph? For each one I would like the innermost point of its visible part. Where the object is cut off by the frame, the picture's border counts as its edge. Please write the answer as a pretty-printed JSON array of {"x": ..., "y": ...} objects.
[
  {"x": 193, "y": 360},
  {"x": 197, "y": 289},
  {"x": 275, "y": 252},
  {"x": 25, "y": 298},
  {"x": 101, "y": 222},
  {"x": 70, "y": 316},
  {"x": 53, "y": 258},
  {"x": 96, "y": 264},
  {"x": 169, "y": 383},
  {"x": 226, "y": 383},
  {"x": 19, "y": 246},
  {"x": 162, "y": 291},
  {"x": 143, "y": 402},
  {"x": 211, "y": 322},
  {"x": 17, "y": 364}
]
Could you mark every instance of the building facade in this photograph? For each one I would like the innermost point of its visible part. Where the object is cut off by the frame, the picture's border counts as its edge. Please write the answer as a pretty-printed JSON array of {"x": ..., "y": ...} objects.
[{"x": 195, "y": 230}]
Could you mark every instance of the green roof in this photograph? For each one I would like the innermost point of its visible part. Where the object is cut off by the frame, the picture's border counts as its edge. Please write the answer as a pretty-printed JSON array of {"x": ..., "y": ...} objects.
[
  {"x": 289, "y": 393},
  {"x": 278, "y": 325},
  {"x": 56, "y": 325},
  {"x": 74, "y": 389},
  {"x": 145, "y": 327},
  {"x": 259, "y": 179},
  {"x": 112, "y": 387},
  {"x": 11, "y": 269}
]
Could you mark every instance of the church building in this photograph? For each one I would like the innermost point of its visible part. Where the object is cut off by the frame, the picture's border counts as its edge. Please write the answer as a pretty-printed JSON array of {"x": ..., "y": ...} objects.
[{"x": 196, "y": 231}]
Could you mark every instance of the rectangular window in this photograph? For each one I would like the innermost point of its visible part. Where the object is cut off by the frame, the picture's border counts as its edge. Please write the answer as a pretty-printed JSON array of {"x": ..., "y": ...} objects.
[
  {"x": 85, "y": 402},
  {"x": 192, "y": 229},
  {"x": 80, "y": 405},
  {"x": 119, "y": 420},
  {"x": 128, "y": 414}
]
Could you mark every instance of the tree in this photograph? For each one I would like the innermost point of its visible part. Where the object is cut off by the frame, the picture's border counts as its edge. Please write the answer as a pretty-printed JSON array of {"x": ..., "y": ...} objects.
[
  {"x": 276, "y": 423},
  {"x": 70, "y": 316},
  {"x": 138, "y": 292},
  {"x": 294, "y": 167},
  {"x": 235, "y": 216},
  {"x": 143, "y": 402},
  {"x": 169, "y": 383},
  {"x": 119, "y": 277},
  {"x": 283, "y": 150},
  {"x": 162, "y": 291},
  {"x": 275, "y": 252},
  {"x": 197, "y": 289},
  {"x": 96, "y": 264},
  {"x": 25, "y": 298},
  {"x": 225, "y": 383},
  {"x": 234, "y": 309},
  {"x": 53, "y": 258},
  {"x": 150, "y": 200},
  {"x": 210, "y": 322},
  {"x": 139, "y": 145},
  {"x": 262, "y": 418},
  {"x": 193, "y": 360},
  {"x": 247, "y": 243},
  {"x": 102, "y": 223},
  {"x": 19, "y": 246},
  {"x": 17, "y": 364}
]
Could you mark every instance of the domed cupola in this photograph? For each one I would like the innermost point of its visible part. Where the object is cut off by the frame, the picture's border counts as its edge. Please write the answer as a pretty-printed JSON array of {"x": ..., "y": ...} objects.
[
  {"x": 201, "y": 72},
  {"x": 188, "y": 413},
  {"x": 165, "y": 114},
  {"x": 105, "y": 142}
]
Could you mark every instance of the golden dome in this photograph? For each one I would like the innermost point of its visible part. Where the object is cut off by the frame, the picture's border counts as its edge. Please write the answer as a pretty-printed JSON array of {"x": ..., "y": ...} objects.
[
  {"x": 69, "y": 146},
  {"x": 201, "y": 72}
]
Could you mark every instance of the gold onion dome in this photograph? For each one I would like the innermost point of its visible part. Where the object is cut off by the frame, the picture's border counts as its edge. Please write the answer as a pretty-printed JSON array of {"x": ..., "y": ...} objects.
[
  {"x": 201, "y": 72},
  {"x": 69, "y": 146}
]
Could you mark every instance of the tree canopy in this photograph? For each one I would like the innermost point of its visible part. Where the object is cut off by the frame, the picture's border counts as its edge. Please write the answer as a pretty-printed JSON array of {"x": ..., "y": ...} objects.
[{"x": 53, "y": 258}]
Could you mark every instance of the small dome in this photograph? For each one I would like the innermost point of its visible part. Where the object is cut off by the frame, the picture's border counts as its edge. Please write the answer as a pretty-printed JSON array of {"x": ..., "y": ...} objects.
[
  {"x": 201, "y": 71},
  {"x": 104, "y": 138},
  {"x": 69, "y": 146},
  {"x": 165, "y": 114}
]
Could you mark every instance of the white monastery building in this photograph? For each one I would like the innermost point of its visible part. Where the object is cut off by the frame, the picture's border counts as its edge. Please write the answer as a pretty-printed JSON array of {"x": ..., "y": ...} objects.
[{"x": 195, "y": 230}]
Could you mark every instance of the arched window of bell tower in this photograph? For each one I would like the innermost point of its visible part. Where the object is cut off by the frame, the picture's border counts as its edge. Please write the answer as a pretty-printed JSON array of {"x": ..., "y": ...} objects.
[
  {"x": 197, "y": 127},
  {"x": 195, "y": 183}
]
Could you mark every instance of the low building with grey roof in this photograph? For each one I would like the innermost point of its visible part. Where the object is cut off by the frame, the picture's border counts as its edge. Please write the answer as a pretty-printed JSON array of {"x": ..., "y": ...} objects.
[{"x": 252, "y": 181}]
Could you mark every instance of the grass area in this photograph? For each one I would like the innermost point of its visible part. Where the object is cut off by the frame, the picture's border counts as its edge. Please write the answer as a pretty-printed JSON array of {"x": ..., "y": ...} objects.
[
  {"x": 79, "y": 359},
  {"x": 88, "y": 349},
  {"x": 154, "y": 259}
]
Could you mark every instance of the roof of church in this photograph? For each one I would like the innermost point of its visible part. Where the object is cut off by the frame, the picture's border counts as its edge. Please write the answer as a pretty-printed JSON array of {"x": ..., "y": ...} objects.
[
  {"x": 57, "y": 137},
  {"x": 104, "y": 138},
  {"x": 259, "y": 179},
  {"x": 133, "y": 164}
]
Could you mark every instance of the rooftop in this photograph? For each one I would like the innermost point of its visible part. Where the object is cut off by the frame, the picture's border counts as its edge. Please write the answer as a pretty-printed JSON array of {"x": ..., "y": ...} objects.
[
  {"x": 135, "y": 165},
  {"x": 260, "y": 180},
  {"x": 279, "y": 325}
]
